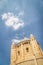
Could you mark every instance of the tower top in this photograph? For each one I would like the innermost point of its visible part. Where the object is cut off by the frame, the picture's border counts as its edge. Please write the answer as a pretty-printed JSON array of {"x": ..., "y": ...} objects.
[
  {"x": 32, "y": 36},
  {"x": 12, "y": 43}
]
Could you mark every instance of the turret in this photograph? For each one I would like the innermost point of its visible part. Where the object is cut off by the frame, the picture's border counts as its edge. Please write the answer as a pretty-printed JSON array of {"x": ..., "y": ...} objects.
[
  {"x": 35, "y": 46},
  {"x": 13, "y": 54}
]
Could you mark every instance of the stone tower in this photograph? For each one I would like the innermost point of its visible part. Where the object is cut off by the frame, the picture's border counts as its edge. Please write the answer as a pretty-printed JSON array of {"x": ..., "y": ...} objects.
[{"x": 26, "y": 52}]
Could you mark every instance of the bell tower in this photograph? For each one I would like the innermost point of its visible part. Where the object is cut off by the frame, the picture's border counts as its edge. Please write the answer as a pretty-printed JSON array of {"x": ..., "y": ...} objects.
[
  {"x": 13, "y": 54},
  {"x": 26, "y": 52},
  {"x": 35, "y": 46}
]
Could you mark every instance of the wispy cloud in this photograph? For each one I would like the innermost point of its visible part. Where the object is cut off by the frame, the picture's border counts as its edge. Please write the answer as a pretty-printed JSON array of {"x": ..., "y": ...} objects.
[
  {"x": 12, "y": 21},
  {"x": 16, "y": 8},
  {"x": 16, "y": 40},
  {"x": 21, "y": 13},
  {"x": 19, "y": 40}
]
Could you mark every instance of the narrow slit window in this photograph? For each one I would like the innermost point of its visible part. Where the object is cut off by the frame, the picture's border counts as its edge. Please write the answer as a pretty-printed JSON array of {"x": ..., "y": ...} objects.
[
  {"x": 27, "y": 49},
  {"x": 18, "y": 52}
]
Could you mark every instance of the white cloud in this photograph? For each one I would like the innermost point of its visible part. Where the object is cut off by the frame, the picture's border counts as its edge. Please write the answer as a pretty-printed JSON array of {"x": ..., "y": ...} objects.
[
  {"x": 12, "y": 21},
  {"x": 4, "y": 16},
  {"x": 18, "y": 25}
]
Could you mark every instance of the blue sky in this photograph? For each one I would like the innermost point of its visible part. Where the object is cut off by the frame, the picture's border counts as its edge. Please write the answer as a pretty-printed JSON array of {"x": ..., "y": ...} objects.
[{"x": 19, "y": 18}]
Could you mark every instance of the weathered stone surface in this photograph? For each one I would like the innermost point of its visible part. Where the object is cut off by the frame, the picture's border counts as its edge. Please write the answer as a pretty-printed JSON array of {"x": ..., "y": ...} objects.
[{"x": 27, "y": 52}]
